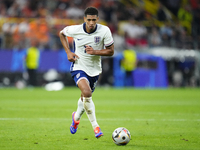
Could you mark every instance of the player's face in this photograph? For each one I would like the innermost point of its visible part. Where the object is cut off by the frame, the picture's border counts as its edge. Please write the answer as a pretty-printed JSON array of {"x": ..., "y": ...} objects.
[{"x": 91, "y": 21}]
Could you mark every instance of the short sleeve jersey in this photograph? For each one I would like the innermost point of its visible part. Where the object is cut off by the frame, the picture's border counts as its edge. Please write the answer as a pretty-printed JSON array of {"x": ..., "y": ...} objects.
[{"x": 100, "y": 37}]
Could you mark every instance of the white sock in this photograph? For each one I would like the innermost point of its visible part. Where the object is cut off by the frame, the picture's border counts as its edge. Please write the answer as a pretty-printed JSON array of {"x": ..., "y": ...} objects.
[
  {"x": 90, "y": 111},
  {"x": 80, "y": 110}
]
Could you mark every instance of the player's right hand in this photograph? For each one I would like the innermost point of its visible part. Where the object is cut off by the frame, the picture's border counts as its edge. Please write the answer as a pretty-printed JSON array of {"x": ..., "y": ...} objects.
[{"x": 72, "y": 57}]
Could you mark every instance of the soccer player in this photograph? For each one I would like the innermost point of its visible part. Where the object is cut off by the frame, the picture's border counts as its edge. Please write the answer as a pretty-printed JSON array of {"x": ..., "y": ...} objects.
[{"x": 91, "y": 41}]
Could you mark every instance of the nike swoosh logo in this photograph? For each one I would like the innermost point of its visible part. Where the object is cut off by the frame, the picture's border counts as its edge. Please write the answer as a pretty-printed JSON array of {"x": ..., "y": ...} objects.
[{"x": 79, "y": 39}]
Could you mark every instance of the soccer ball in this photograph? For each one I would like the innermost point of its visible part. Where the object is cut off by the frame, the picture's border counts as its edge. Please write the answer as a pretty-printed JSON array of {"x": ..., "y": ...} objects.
[{"x": 121, "y": 136}]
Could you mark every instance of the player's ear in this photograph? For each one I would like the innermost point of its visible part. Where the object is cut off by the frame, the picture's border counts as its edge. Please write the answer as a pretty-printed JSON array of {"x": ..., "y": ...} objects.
[{"x": 85, "y": 19}]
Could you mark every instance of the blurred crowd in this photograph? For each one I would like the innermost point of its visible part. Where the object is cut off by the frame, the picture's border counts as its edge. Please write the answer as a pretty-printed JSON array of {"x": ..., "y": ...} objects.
[{"x": 134, "y": 23}]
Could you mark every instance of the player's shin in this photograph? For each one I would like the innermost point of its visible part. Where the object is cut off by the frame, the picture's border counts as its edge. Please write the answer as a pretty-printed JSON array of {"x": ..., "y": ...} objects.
[
  {"x": 90, "y": 111},
  {"x": 80, "y": 110}
]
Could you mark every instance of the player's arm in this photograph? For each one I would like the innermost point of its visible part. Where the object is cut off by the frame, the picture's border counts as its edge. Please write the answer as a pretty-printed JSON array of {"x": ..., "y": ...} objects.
[
  {"x": 108, "y": 51},
  {"x": 70, "y": 55}
]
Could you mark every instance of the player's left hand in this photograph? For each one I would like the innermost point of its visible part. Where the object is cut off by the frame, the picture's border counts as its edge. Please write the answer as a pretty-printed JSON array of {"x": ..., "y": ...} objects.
[{"x": 89, "y": 50}]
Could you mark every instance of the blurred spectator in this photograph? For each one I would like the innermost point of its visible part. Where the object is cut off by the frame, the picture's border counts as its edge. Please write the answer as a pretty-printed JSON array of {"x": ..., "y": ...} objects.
[
  {"x": 95, "y": 3},
  {"x": 14, "y": 11},
  {"x": 186, "y": 17},
  {"x": 131, "y": 32},
  {"x": 138, "y": 13},
  {"x": 21, "y": 3},
  {"x": 26, "y": 11},
  {"x": 121, "y": 13},
  {"x": 3, "y": 10},
  {"x": 42, "y": 11},
  {"x": 54, "y": 43},
  {"x": 113, "y": 26},
  {"x": 135, "y": 34},
  {"x": 184, "y": 14},
  {"x": 185, "y": 40},
  {"x": 166, "y": 32},
  {"x": 59, "y": 12},
  {"x": 178, "y": 30},
  {"x": 154, "y": 37},
  {"x": 74, "y": 11},
  {"x": 119, "y": 41},
  {"x": 108, "y": 10},
  {"x": 129, "y": 64},
  {"x": 39, "y": 30},
  {"x": 142, "y": 35},
  {"x": 20, "y": 39},
  {"x": 7, "y": 34},
  {"x": 32, "y": 62}
]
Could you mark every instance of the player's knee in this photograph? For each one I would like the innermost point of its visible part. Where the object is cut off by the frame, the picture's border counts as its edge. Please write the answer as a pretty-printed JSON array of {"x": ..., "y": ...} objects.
[{"x": 87, "y": 93}]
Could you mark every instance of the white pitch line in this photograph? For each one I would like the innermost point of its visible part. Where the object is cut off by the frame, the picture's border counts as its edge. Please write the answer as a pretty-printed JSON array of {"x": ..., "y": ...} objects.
[{"x": 107, "y": 119}]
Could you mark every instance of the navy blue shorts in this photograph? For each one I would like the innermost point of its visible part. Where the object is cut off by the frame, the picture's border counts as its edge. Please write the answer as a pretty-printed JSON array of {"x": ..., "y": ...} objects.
[{"x": 78, "y": 75}]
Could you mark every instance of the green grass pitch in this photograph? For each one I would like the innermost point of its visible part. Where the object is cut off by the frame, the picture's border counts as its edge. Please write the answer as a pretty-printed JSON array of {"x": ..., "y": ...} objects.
[{"x": 158, "y": 119}]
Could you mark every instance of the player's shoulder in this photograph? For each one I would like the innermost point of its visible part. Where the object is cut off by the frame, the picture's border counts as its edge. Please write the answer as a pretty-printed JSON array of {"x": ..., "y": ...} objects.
[
  {"x": 103, "y": 27},
  {"x": 75, "y": 27}
]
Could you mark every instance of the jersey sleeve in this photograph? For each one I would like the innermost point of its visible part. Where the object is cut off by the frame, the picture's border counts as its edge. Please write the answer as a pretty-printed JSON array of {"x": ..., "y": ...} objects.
[
  {"x": 68, "y": 31},
  {"x": 108, "y": 40}
]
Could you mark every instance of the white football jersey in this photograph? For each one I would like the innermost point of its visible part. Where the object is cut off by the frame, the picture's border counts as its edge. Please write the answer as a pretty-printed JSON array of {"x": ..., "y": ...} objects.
[{"x": 100, "y": 37}]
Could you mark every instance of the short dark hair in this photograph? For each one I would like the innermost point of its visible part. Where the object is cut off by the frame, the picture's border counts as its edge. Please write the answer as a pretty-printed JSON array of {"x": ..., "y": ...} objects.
[{"x": 91, "y": 11}]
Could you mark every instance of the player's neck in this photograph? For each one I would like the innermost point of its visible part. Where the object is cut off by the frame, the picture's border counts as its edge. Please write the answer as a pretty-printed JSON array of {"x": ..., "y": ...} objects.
[
  {"x": 87, "y": 30},
  {"x": 90, "y": 30}
]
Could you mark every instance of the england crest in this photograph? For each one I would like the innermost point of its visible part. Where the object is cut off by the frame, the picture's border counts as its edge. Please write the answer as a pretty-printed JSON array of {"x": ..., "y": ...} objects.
[{"x": 97, "y": 39}]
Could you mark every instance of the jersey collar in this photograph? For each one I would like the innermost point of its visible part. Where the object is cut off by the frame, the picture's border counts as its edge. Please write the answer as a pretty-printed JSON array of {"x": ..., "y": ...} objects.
[{"x": 84, "y": 28}]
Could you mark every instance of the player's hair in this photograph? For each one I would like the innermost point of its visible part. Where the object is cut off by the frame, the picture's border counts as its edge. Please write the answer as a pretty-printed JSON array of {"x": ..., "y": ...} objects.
[{"x": 91, "y": 11}]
